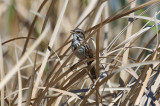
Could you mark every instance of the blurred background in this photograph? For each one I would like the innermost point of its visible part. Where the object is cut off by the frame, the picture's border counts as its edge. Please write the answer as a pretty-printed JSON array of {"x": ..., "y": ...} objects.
[{"x": 16, "y": 17}]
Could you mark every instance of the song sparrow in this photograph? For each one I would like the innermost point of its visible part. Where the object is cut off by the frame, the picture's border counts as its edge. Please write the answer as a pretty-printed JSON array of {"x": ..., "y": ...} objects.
[{"x": 85, "y": 51}]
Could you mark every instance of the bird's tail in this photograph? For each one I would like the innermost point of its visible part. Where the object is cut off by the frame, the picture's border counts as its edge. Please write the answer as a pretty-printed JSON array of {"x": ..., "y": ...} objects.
[{"x": 92, "y": 70}]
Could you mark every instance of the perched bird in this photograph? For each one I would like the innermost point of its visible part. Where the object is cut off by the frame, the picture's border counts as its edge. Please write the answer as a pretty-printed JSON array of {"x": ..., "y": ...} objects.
[{"x": 84, "y": 52}]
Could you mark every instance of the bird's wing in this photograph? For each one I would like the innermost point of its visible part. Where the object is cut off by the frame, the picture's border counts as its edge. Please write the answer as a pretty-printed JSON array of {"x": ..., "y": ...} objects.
[{"x": 92, "y": 44}]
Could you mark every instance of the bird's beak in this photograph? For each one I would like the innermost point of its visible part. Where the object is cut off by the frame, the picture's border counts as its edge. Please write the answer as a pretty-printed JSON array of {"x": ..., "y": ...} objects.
[{"x": 72, "y": 32}]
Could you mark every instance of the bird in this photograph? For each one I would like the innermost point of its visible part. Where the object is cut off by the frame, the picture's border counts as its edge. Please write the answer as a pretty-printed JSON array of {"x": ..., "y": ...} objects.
[{"x": 85, "y": 51}]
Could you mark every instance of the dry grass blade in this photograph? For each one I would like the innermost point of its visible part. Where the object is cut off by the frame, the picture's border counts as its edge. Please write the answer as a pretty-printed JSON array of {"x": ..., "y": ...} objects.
[
  {"x": 23, "y": 59},
  {"x": 31, "y": 28},
  {"x": 48, "y": 52},
  {"x": 109, "y": 76},
  {"x": 133, "y": 36},
  {"x": 19, "y": 81},
  {"x": 47, "y": 15},
  {"x": 38, "y": 54},
  {"x": 145, "y": 82},
  {"x": 61, "y": 91},
  {"x": 124, "y": 76},
  {"x": 143, "y": 18},
  {"x": 148, "y": 72},
  {"x": 16, "y": 39},
  {"x": 31, "y": 84},
  {"x": 2, "y": 73},
  {"x": 110, "y": 19}
]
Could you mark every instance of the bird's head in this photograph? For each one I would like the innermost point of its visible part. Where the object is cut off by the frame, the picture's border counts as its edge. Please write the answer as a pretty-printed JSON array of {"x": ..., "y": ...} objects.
[{"x": 78, "y": 34}]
